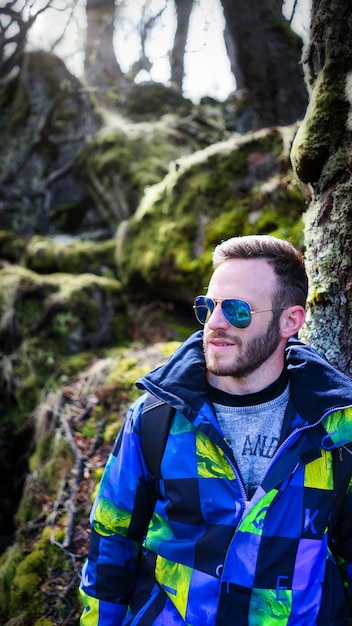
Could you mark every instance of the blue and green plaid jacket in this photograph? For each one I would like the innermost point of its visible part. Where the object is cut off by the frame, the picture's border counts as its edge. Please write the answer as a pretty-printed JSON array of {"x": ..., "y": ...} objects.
[{"x": 202, "y": 554}]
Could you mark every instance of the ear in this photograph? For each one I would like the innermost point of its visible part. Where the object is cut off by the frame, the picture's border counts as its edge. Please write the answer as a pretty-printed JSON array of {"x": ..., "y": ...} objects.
[{"x": 292, "y": 320}]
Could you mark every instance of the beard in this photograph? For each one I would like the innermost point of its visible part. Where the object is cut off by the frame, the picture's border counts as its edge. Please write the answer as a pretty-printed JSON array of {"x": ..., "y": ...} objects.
[{"x": 255, "y": 352}]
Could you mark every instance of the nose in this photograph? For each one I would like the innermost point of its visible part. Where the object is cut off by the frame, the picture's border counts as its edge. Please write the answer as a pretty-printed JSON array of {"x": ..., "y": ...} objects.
[{"x": 217, "y": 318}]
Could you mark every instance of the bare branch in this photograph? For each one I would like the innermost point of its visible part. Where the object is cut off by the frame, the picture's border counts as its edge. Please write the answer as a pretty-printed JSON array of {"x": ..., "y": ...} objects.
[
  {"x": 77, "y": 475},
  {"x": 293, "y": 11},
  {"x": 14, "y": 32},
  {"x": 64, "y": 30}
]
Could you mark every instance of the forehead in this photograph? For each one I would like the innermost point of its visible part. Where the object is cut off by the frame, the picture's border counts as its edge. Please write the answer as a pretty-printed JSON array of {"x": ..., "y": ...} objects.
[{"x": 244, "y": 278}]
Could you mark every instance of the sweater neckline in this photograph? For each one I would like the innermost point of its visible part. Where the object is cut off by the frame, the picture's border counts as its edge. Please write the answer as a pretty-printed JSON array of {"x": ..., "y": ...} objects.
[{"x": 271, "y": 392}]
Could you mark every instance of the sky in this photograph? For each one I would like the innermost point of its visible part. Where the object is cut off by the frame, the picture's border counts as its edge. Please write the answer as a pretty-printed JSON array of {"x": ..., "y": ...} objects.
[{"x": 207, "y": 68}]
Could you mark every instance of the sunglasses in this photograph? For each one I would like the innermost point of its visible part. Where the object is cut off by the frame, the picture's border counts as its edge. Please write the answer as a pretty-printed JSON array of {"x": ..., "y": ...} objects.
[{"x": 237, "y": 312}]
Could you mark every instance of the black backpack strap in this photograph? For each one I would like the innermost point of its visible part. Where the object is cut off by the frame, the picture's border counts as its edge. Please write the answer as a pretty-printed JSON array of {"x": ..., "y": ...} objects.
[{"x": 155, "y": 427}]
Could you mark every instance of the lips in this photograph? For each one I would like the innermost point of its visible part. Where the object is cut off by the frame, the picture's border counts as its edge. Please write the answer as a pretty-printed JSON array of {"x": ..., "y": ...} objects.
[{"x": 220, "y": 342}]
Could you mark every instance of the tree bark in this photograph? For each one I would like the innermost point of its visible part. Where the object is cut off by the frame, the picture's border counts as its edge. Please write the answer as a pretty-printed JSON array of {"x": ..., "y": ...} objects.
[
  {"x": 183, "y": 10},
  {"x": 321, "y": 155},
  {"x": 268, "y": 54},
  {"x": 101, "y": 67}
]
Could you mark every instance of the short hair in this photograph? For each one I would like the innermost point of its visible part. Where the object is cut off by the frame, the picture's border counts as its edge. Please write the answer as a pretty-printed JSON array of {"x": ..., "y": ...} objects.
[{"x": 287, "y": 262}]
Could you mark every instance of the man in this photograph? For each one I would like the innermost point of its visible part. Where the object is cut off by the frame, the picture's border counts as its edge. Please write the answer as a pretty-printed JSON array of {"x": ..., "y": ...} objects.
[{"x": 252, "y": 524}]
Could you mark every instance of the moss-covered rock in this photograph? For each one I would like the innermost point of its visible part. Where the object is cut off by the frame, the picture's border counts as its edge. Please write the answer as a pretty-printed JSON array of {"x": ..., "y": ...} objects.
[
  {"x": 150, "y": 100},
  {"x": 240, "y": 186},
  {"x": 11, "y": 246},
  {"x": 27, "y": 596},
  {"x": 45, "y": 118},
  {"x": 60, "y": 305},
  {"x": 118, "y": 163},
  {"x": 47, "y": 255},
  {"x": 45, "y": 317}
]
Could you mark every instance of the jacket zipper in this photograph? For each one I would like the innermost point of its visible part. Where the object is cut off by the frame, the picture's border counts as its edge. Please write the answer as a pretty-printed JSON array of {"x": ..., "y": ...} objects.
[
  {"x": 239, "y": 478},
  {"x": 276, "y": 455},
  {"x": 281, "y": 448},
  {"x": 300, "y": 430}
]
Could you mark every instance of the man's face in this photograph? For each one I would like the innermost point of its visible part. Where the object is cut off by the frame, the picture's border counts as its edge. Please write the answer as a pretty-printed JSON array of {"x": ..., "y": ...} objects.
[{"x": 239, "y": 353}]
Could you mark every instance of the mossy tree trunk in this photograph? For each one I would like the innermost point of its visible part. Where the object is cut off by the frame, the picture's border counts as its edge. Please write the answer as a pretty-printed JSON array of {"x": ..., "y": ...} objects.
[
  {"x": 268, "y": 54},
  {"x": 322, "y": 157}
]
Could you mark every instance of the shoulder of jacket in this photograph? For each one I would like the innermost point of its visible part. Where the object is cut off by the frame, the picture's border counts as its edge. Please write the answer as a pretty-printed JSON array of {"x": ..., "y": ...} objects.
[{"x": 338, "y": 425}]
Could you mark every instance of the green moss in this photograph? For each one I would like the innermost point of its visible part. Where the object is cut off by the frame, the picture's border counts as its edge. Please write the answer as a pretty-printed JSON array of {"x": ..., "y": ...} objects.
[
  {"x": 318, "y": 296},
  {"x": 52, "y": 459},
  {"x": 36, "y": 570},
  {"x": 323, "y": 129},
  {"x": 51, "y": 316},
  {"x": 11, "y": 246},
  {"x": 214, "y": 194},
  {"x": 8, "y": 565},
  {"x": 23, "y": 575},
  {"x": 25, "y": 588},
  {"x": 14, "y": 106},
  {"x": 127, "y": 370},
  {"x": 110, "y": 433},
  {"x": 89, "y": 429},
  {"x": 46, "y": 256},
  {"x": 336, "y": 164},
  {"x": 147, "y": 99},
  {"x": 126, "y": 162},
  {"x": 168, "y": 348},
  {"x": 43, "y": 450},
  {"x": 34, "y": 368},
  {"x": 233, "y": 221},
  {"x": 75, "y": 363},
  {"x": 32, "y": 562}
]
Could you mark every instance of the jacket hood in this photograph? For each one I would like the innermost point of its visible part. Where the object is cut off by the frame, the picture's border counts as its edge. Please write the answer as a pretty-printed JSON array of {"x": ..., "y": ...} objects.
[
  {"x": 316, "y": 387},
  {"x": 181, "y": 382}
]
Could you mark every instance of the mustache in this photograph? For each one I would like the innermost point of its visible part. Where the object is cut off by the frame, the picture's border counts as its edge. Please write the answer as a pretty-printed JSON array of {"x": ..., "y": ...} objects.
[{"x": 221, "y": 334}]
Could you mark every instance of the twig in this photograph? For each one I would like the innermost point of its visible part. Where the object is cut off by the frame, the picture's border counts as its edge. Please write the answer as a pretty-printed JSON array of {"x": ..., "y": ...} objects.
[
  {"x": 52, "y": 516},
  {"x": 77, "y": 475},
  {"x": 97, "y": 438}
]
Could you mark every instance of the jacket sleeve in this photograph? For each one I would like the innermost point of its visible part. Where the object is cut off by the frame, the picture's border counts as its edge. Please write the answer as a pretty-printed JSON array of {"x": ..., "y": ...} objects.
[{"x": 119, "y": 520}]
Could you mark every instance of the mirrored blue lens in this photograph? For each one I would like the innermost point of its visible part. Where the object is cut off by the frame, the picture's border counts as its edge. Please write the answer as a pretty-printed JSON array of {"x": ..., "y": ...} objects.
[
  {"x": 236, "y": 312},
  {"x": 203, "y": 308}
]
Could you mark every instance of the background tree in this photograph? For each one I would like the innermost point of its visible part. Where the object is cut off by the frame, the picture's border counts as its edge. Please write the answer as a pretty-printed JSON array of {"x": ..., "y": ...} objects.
[
  {"x": 183, "y": 12},
  {"x": 145, "y": 26},
  {"x": 322, "y": 158},
  {"x": 100, "y": 63},
  {"x": 40, "y": 100},
  {"x": 264, "y": 52},
  {"x": 267, "y": 61}
]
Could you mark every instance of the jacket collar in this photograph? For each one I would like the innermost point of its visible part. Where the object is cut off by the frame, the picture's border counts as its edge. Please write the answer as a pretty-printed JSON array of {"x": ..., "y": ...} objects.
[
  {"x": 181, "y": 382},
  {"x": 317, "y": 388}
]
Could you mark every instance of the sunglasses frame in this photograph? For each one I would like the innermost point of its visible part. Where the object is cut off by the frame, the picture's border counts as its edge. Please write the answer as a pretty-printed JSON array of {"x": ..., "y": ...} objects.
[{"x": 221, "y": 301}]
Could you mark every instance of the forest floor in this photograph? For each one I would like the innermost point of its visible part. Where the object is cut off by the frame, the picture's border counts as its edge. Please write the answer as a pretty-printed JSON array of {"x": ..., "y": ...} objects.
[{"x": 89, "y": 412}]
